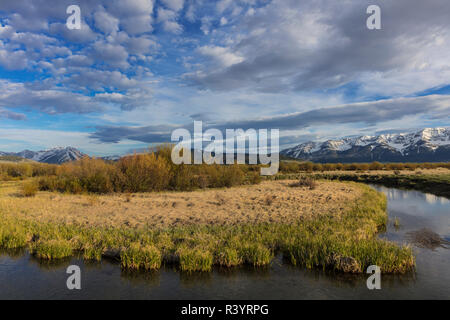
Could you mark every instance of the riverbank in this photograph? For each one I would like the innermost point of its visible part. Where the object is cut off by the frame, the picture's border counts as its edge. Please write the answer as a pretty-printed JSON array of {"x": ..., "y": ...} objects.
[
  {"x": 433, "y": 181},
  {"x": 438, "y": 185},
  {"x": 334, "y": 226}
]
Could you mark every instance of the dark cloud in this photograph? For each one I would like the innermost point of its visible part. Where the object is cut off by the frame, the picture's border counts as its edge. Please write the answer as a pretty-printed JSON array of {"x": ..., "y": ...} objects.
[
  {"x": 148, "y": 134},
  {"x": 296, "y": 139},
  {"x": 396, "y": 130},
  {"x": 11, "y": 115},
  {"x": 368, "y": 113}
]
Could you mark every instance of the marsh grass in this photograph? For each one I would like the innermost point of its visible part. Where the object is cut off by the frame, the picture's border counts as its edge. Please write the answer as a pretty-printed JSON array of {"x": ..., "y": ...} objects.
[
  {"x": 195, "y": 259},
  {"x": 52, "y": 249},
  {"x": 346, "y": 242},
  {"x": 137, "y": 256},
  {"x": 228, "y": 257},
  {"x": 396, "y": 223},
  {"x": 256, "y": 254},
  {"x": 93, "y": 252},
  {"x": 14, "y": 239}
]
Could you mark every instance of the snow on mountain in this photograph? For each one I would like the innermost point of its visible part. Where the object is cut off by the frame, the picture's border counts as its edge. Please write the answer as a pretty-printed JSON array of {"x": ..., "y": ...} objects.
[
  {"x": 55, "y": 155},
  {"x": 58, "y": 155},
  {"x": 111, "y": 158},
  {"x": 430, "y": 144},
  {"x": 27, "y": 154}
]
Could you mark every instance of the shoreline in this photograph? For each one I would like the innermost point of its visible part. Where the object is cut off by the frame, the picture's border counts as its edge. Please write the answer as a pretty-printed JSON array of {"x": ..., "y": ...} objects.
[{"x": 433, "y": 183}]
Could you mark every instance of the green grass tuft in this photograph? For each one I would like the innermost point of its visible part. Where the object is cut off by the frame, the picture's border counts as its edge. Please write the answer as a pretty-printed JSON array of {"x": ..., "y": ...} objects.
[
  {"x": 52, "y": 249},
  {"x": 256, "y": 254},
  {"x": 195, "y": 259},
  {"x": 228, "y": 257},
  {"x": 92, "y": 252},
  {"x": 139, "y": 257}
]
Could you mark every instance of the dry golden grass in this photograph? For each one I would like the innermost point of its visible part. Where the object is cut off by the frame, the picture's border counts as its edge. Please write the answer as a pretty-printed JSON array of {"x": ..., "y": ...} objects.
[{"x": 271, "y": 201}]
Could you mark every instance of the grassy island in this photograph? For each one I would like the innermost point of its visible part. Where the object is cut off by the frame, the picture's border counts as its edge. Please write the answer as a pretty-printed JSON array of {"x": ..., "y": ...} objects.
[{"x": 333, "y": 225}]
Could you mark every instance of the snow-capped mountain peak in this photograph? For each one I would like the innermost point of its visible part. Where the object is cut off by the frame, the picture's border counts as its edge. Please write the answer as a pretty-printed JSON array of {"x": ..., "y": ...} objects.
[
  {"x": 53, "y": 155},
  {"x": 430, "y": 144},
  {"x": 57, "y": 155}
]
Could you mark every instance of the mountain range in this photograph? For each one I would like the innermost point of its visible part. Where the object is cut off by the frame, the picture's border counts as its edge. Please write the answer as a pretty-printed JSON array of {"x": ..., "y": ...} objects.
[
  {"x": 427, "y": 145},
  {"x": 55, "y": 155}
]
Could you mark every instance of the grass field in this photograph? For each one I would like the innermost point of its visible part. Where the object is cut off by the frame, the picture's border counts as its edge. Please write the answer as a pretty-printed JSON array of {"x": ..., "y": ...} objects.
[
  {"x": 333, "y": 225},
  {"x": 275, "y": 202}
]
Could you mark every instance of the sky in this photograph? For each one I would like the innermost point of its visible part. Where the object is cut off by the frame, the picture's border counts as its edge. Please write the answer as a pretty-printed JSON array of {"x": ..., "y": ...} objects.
[{"x": 139, "y": 69}]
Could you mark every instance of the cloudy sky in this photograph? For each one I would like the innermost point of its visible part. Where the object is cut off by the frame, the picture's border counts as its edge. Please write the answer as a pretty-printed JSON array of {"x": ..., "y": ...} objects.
[{"x": 138, "y": 69}]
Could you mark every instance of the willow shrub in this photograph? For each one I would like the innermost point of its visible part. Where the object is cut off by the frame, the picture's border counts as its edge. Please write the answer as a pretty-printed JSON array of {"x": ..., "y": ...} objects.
[
  {"x": 297, "y": 166},
  {"x": 152, "y": 171},
  {"x": 18, "y": 171},
  {"x": 144, "y": 172}
]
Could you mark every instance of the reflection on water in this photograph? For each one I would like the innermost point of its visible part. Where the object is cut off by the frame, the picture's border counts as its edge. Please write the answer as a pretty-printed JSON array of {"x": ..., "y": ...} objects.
[
  {"x": 417, "y": 210},
  {"x": 23, "y": 277},
  {"x": 397, "y": 194}
]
